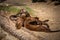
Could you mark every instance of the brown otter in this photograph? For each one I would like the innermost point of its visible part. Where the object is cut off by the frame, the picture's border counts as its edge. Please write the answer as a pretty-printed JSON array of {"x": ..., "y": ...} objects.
[
  {"x": 22, "y": 13},
  {"x": 21, "y": 18},
  {"x": 34, "y": 24}
]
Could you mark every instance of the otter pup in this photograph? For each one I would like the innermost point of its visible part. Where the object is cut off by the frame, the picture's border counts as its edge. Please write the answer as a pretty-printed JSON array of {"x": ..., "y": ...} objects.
[{"x": 21, "y": 18}]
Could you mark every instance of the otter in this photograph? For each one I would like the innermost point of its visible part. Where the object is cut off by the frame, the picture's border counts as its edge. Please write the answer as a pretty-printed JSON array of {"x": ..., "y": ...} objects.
[
  {"x": 22, "y": 13},
  {"x": 20, "y": 18},
  {"x": 34, "y": 24}
]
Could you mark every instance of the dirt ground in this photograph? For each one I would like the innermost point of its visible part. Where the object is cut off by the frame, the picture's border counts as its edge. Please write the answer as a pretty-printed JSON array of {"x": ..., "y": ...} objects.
[{"x": 44, "y": 11}]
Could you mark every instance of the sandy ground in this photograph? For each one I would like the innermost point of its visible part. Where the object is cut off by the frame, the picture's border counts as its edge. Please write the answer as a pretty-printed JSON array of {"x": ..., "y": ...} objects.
[{"x": 44, "y": 11}]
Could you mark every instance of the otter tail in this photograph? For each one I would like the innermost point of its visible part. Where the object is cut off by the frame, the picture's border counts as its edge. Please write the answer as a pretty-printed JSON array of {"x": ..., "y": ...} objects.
[{"x": 54, "y": 31}]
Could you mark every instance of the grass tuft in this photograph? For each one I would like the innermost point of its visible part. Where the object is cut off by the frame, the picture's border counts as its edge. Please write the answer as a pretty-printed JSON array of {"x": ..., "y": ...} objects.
[{"x": 15, "y": 9}]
